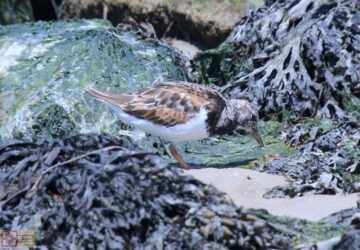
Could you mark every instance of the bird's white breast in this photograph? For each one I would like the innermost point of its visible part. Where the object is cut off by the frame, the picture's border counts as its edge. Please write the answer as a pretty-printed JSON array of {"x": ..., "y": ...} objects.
[{"x": 193, "y": 130}]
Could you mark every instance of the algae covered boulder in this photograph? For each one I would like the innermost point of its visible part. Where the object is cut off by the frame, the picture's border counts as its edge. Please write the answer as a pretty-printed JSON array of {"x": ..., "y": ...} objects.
[{"x": 46, "y": 66}]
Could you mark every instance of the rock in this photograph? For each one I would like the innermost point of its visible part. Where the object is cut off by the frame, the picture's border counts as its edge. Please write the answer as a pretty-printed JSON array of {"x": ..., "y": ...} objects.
[
  {"x": 355, "y": 219},
  {"x": 83, "y": 204},
  {"x": 204, "y": 22},
  {"x": 309, "y": 58},
  {"x": 46, "y": 66},
  {"x": 325, "y": 164},
  {"x": 325, "y": 179},
  {"x": 350, "y": 240},
  {"x": 354, "y": 168},
  {"x": 326, "y": 143}
]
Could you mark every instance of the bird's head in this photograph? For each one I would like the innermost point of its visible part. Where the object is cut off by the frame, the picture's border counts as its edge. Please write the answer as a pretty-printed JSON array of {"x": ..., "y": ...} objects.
[{"x": 246, "y": 117}]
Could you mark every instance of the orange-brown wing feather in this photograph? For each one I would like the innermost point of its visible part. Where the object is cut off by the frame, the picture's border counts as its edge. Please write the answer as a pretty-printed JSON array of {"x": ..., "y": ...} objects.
[
  {"x": 166, "y": 104},
  {"x": 170, "y": 104}
]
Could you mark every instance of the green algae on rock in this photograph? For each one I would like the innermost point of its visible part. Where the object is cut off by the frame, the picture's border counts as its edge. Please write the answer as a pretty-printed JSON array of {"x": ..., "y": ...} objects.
[
  {"x": 15, "y": 11},
  {"x": 219, "y": 65},
  {"x": 237, "y": 149},
  {"x": 46, "y": 66}
]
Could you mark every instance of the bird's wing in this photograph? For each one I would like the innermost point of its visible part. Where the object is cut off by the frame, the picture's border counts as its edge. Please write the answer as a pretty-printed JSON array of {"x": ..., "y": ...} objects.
[{"x": 167, "y": 104}]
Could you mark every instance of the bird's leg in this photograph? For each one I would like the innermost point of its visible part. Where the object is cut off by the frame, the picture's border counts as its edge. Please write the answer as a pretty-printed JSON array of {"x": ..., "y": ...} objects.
[
  {"x": 177, "y": 156},
  {"x": 165, "y": 148}
]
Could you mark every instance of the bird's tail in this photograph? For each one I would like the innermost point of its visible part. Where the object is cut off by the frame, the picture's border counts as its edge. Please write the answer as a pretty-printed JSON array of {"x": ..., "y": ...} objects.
[{"x": 116, "y": 99}]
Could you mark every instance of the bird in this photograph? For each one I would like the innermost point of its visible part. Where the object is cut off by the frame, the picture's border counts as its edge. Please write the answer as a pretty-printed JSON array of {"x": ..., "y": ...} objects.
[{"x": 179, "y": 111}]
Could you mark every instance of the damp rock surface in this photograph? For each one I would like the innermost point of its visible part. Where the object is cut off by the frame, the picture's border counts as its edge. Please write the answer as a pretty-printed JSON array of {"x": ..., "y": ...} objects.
[{"x": 119, "y": 197}]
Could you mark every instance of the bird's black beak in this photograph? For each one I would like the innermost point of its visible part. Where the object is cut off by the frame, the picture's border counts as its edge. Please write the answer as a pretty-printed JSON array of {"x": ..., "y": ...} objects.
[{"x": 255, "y": 132}]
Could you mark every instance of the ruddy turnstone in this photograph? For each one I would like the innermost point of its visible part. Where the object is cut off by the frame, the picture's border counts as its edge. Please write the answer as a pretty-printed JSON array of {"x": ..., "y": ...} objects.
[{"x": 181, "y": 111}]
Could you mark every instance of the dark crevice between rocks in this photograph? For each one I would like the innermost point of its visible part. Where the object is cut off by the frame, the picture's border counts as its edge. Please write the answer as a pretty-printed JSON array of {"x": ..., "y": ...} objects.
[
  {"x": 167, "y": 23},
  {"x": 44, "y": 10}
]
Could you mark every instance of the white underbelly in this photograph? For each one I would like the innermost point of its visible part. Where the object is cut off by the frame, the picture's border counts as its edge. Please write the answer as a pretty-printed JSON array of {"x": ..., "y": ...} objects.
[{"x": 193, "y": 130}]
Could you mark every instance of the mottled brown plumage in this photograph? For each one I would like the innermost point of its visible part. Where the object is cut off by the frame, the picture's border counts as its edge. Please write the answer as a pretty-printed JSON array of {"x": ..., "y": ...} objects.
[
  {"x": 166, "y": 104},
  {"x": 181, "y": 111}
]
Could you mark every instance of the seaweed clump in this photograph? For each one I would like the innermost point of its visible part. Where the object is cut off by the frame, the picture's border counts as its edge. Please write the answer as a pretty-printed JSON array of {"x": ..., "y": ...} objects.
[
  {"x": 327, "y": 161},
  {"x": 111, "y": 195},
  {"x": 293, "y": 55}
]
